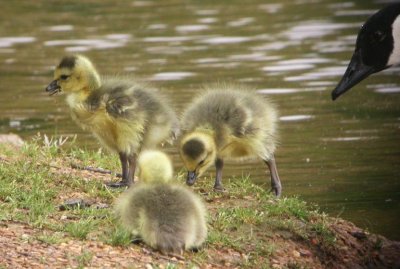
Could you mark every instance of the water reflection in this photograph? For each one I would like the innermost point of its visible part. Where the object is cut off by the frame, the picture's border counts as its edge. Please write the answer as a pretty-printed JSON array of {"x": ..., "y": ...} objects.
[
  {"x": 172, "y": 76},
  {"x": 225, "y": 40},
  {"x": 6, "y": 42},
  {"x": 296, "y": 117},
  {"x": 316, "y": 29},
  {"x": 61, "y": 28},
  {"x": 110, "y": 41}
]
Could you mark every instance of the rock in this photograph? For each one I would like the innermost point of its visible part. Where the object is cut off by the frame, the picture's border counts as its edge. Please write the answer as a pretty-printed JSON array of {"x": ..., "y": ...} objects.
[
  {"x": 73, "y": 204},
  {"x": 25, "y": 237},
  {"x": 358, "y": 234},
  {"x": 305, "y": 252},
  {"x": 11, "y": 139},
  {"x": 296, "y": 254},
  {"x": 101, "y": 205}
]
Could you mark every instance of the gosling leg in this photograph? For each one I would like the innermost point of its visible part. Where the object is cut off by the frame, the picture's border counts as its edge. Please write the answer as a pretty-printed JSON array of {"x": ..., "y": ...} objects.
[
  {"x": 125, "y": 172},
  {"x": 132, "y": 168},
  {"x": 219, "y": 164},
  {"x": 125, "y": 168},
  {"x": 275, "y": 181}
]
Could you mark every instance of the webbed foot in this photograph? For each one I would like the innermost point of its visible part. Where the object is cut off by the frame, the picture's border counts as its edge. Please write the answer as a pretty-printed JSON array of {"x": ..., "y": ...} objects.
[{"x": 115, "y": 185}]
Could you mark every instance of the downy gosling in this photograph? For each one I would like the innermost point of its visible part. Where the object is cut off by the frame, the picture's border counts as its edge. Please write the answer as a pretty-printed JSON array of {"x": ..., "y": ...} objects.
[
  {"x": 228, "y": 121},
  {"x": 125, "y": 116},
  {"x": 166, "y": 216},
  {"x": 377, "y": 48}
]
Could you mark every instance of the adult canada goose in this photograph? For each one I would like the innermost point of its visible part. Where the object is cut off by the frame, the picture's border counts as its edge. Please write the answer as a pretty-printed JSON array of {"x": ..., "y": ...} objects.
[
  {"x": 165, "y": 215},
  {"x": 124, "y": 115},
  {"x": 228, "y": 121},
  {"x": 377, "y": 48}
]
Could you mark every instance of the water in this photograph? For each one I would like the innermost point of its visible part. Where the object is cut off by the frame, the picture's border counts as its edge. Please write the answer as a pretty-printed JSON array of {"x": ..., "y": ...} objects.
[{"x": 342, "y": 155}]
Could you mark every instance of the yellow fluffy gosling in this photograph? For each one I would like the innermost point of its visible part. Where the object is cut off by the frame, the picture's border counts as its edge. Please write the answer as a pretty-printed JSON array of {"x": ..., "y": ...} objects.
[
  {"x": 166, "y": 216},
  {"x": 124, "y": 115},
  {"x": 228, "y": 121}
]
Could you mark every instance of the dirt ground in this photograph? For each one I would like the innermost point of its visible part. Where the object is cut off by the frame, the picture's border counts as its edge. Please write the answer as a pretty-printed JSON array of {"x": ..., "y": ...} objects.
[{"x": 21, "y": 248}]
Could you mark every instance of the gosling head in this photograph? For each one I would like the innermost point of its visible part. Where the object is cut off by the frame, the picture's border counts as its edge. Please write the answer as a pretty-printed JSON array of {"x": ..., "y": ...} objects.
[
  {"x": 377, "y": 48},
  {"x": 154, "y": 167},
  {"x": 74, "y": 74},
  {"x": 198, "y": 153}
]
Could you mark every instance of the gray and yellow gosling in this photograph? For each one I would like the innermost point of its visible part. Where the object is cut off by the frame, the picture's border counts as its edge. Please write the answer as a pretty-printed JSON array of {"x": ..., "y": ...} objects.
[
  {"x": 228, "y": 121},
  {"x": 125, "y": 116},
  {"x": 165, "y": 215}
]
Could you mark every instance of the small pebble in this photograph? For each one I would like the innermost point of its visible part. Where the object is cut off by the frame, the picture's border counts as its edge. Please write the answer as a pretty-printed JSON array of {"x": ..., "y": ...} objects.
[
  {"x": 305, "y": 253},
  {"x": 25, "y": 237}
]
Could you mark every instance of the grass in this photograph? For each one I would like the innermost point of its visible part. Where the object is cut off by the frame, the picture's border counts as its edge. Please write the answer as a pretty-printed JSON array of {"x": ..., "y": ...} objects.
[
  {"x": 84, "y": 259},
  {"x": 51, "y": 238},
  {"x": 118, "y": 237},
  {"x": 246, "y": 219}
]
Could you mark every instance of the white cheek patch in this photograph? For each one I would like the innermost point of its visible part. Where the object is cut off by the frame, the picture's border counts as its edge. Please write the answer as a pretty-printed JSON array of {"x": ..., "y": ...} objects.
[{"x": 394, "y": 58}]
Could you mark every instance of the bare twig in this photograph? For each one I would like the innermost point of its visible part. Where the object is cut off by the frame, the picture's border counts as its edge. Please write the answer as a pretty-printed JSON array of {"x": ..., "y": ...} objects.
[{"x": 94, "y": 169}]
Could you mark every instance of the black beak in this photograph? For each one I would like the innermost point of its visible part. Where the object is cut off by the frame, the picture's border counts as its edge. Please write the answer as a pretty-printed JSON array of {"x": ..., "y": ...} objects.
[
  {"x": 191, "y": 178},
  {"x": 53, "y": 87},
  {"x": 356, "y": 71}
]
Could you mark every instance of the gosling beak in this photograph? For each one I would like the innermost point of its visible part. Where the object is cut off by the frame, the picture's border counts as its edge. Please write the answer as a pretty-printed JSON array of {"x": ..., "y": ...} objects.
[
  {"x": 53, "y": 88},
  {"x": 356, "y": 71},
  {"x": 191, "y": 178}
]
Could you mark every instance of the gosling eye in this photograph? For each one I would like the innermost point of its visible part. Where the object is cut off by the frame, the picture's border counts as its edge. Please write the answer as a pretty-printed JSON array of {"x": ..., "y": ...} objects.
[
  {"x": 64, "y": 77},
  {"x": 201, "y": 162}
]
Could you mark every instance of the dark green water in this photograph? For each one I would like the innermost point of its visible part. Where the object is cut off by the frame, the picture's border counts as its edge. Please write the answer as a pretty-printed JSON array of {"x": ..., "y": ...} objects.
[{"x": 342, "y": 155}]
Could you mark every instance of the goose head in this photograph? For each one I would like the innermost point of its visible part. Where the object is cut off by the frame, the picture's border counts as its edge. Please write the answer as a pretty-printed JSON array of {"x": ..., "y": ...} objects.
[{"x": 377, "y": 48}]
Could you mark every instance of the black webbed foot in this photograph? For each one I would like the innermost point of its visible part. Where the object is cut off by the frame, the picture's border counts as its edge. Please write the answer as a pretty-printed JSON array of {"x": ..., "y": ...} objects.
[{"x": 115, "y": 185}]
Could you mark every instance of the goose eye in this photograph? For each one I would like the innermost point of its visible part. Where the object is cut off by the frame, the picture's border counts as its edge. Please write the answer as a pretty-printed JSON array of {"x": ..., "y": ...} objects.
[
  {"x": 201, "y": 162},
  {"x": 379, "y": 36},
  {"x": 64, "y": 77}
]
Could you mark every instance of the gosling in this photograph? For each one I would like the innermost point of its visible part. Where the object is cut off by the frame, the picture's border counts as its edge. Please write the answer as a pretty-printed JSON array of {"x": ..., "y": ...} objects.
[
  {"x": 377, "y": 48},
  {"x": 228, "y": 121},
  {"x": 166, "y": 216},
  {"x": 125, "y": 116}
]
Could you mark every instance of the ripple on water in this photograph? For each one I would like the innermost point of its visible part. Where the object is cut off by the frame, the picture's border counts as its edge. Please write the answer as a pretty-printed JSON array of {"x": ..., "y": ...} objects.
[
  {"x": 255, "y": 56},
  {"x": 274, "y": 46},
  {"x": 225, "y": 40},
  {"x": 366, "y": 12},
  {"x": 208, "y": 20},
  {"x": 205, "y": 12},
  {"x": 321, "y": 73},
  {"x": 348, "y": 138},
  {"x": 6, "y": 42},
  {"x": 296, "y": 64},
  {"x": 192, "y": 28},
  {"x": 157, "y": 26},
  {"x": 61, "y": 28},
  {"x": 296, "y": 117},
  {"x": 162, "y": 39},
  {"x": 277, "y": 91},
  {"x": 284, "y": 67},
  {"x": 171, "y": 76},
  {"x": 241, "y": 22},
  {"x": 108, "y": 42},
  {"x": 388, "y": 90},
  {"x": 315, "y": 29},
  {"x": 271, "y": 8}
]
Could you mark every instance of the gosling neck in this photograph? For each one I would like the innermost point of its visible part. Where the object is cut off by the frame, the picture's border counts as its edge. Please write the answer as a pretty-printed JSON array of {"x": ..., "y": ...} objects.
[{"x": 92, "y": 84}]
